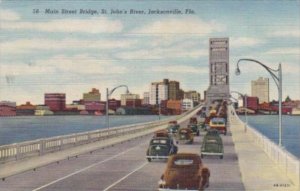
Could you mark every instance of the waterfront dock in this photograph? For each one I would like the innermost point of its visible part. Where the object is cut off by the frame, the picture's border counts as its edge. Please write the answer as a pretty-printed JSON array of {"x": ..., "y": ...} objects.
[{"x": 120, "y": 164}]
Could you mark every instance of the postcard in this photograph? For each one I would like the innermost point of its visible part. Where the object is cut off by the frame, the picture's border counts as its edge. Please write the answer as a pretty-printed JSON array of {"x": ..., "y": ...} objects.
[{"x": 149, "y": 95}]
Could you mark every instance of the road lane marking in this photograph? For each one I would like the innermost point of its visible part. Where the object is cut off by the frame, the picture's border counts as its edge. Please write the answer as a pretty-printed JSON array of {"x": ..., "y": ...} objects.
[
  {"x": 123, "y": 178},
  {"x": 81, "y": 170}
]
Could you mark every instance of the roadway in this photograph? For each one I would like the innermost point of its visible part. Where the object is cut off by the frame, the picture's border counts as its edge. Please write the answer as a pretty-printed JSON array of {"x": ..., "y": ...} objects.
[{"x": 123, "y": 167}]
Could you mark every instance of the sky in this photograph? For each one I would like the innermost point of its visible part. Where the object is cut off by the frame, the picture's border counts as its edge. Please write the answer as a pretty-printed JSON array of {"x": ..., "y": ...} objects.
[{"x": 72, "y": 53}]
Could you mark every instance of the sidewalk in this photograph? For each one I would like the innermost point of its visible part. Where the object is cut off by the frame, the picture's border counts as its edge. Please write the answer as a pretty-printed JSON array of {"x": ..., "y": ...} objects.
[{"x": 258, "y": 171}]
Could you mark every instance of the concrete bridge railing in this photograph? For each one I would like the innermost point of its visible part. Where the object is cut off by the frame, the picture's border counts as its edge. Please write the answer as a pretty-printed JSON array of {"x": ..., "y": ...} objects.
[
  {"x": 38, "y": 147},
  {"x": 287, "y": 162}
]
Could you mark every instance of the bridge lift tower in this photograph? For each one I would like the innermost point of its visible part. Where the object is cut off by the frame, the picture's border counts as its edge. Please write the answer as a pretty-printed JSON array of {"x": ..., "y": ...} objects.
[{"x": 218, "y": 89}]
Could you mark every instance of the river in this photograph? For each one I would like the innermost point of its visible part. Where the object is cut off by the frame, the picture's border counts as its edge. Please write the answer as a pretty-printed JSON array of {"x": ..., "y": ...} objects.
[
  {"x": 25, "y": 128},
  {"x": 268, "y": 126}
]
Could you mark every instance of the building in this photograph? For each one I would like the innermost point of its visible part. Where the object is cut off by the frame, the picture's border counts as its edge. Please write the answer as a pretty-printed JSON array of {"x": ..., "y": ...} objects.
[
  {"x": 55, "y": 101},
  {"x": 193, "y": 95},
  {"x": 128, "y": 96},
  {"x": 165, "y": 90},
  {"x": 42, "y": 110},
  {"x": 26, "y": 109},
  {"x": 146, "y": 98},
  {"x": 173, "y": 90},
  {"x": 252, "y": 102},
  {"x": 94, "y": 107},
  {"x": 7, "y": 108},
  {"x": 174, "y": 107},
  {"x": 187, "y": 104},
  {"x": 93, "y": 96},
  {"x": 218, "y": 70},
  {"x": 114, "y": 104},
  {"x": 73, "y": 106},
  {"x": 133, "y": 103},
  {"x": 260, "y": 89}
]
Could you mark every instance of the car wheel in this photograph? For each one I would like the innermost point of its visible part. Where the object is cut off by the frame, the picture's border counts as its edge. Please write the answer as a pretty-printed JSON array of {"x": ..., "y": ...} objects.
[
  {"x": 149, "y": 159},
  {"x": 221, "y": 157}
]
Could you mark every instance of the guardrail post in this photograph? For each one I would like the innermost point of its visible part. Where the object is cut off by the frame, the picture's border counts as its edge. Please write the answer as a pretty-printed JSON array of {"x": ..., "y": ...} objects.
[
  {"x": 42, "y": 147},
  {"x": 18, "y": 151}
]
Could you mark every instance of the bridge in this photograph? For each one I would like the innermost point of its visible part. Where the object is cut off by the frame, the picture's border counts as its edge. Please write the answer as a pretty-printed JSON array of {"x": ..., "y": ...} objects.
[
  {"x": 117, "y": 161},
  {"x": 115, "y": 158}
]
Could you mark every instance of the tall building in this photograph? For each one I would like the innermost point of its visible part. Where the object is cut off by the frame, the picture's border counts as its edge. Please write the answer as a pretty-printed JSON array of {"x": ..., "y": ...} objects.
[
  {"x": 128, "y": 96},
  {"x": 260, "y": 89},
  {"x": 187, "y": 104},
  {"x": 193, "y": 95},
  {"x": 55, "y": 101},
  {"x": 165, "y": 90},
  {"x": 146, "y": 98},
  {"x": 92, "y": 96},
  {"x": 218, "y": 70},
  {"x": 173, "y": 90}
]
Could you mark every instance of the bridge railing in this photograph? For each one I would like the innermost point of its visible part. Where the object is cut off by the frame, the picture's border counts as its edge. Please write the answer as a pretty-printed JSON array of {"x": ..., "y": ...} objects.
[
  {"x": 286, "y": 161},
  {"x": 43, "y": 146}
]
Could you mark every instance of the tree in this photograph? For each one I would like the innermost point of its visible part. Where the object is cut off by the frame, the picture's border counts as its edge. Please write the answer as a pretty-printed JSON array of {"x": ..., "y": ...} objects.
[{"x": 288, "y": 99}]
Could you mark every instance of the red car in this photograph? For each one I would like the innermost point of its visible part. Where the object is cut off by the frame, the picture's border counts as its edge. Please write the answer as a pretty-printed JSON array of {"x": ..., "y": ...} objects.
[{"x": 184, "y": 171}]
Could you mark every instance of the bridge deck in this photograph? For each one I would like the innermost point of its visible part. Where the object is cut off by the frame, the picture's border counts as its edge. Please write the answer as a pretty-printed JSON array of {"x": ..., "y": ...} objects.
[{"x": 124, "y": 167}]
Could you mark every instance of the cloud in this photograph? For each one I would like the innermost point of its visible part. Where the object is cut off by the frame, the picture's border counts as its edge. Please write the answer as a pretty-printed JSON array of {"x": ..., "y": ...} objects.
[
  {"x": 181, "y": 26},
  {"x": 244, "y": 41},
  {"x": 293, "y": 32},
  {"x": 92, "y": 25},
  {"x": 180, "y": 69},
  {"x": 22, "y": 46},
  {"x": 284, "y": 51},
  {"x": 78, "y": 64},
  {"x": 161, "y": 53},
  {"x": 8, "y": 15}
]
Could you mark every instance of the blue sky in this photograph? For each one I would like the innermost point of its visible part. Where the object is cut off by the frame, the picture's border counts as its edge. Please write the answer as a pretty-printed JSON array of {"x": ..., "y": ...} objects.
[{"x": 73, "y": 53}]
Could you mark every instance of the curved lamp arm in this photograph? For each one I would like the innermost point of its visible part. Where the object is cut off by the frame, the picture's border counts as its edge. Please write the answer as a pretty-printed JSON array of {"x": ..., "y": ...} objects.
[
  {"x": 111, "y": 91},
  {"x": 270, "y": 70}
]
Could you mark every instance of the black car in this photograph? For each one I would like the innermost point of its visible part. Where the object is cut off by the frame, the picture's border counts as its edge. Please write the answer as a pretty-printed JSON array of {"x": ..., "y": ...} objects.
[
  {"x": 173, "y": 128},
  {"x": 161, "y": 148},
  {"x": 194, "y": 128}
]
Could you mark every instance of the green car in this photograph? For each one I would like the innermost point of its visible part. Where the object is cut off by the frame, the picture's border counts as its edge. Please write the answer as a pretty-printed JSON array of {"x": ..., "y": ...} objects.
[
  {"x": 194, "y": 128},
  {"x": 212, "y": 144},
  {"x": 173, "y": 128}
]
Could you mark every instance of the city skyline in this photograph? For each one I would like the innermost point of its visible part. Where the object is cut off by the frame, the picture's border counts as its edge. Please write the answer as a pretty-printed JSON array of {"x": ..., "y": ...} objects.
[{"x": 72, "y": 53}]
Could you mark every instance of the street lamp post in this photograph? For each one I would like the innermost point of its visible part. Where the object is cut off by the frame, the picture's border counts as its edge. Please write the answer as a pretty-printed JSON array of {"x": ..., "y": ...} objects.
[
  {"x": 278, "y": 81},
  {"x": 159, "y": 108},
  {"x": 108, "y": 93},
  {"x": 245, "y": 108}
]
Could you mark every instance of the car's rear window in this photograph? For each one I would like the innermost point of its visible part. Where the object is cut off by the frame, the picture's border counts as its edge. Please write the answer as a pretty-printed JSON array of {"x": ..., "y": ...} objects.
[
  {"x": 212, "y": 141},
  {"x": 159, "y": 141},
  {"x": 183, "y": 162},
  {"x": 183, "y": 131}
]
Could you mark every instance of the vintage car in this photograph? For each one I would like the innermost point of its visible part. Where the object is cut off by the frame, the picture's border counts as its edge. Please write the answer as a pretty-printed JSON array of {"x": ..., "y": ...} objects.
[
  {"x": 184, "y": 171},
  {"x": 219, "y": 124},
  {"x": 194, "y": 128},
  {"x": 161, "y": 133},
  {"x": 173, "y": 127},
  {"x": 185, "y": 135},
  {"x": 212, "y": 144},
  {"x": 161, "y": 148},
  {"x": 193, "y": 120}
]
